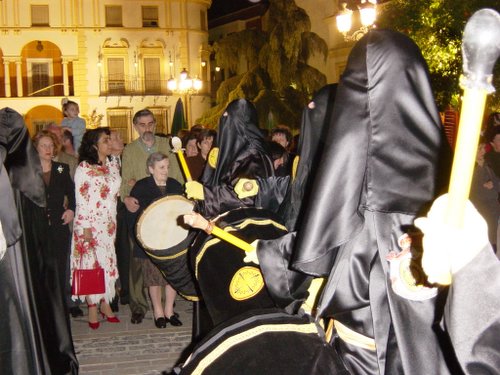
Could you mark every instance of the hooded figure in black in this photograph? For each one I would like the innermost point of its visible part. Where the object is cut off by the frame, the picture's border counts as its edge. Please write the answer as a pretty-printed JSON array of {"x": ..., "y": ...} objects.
[
  {"x": 274, "y": 341},
  {"x": 383, "y": 160},
  {"x": 34, "y": 322},
  {"x": 288, "y": 288},
  {"x": 241, "y": 152},
  {"x": 287, "y": 194}
]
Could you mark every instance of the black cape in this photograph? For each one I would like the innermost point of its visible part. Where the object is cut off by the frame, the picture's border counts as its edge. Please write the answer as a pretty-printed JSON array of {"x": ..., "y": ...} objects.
[
  {"x": 385, "y": 159},
  {"x": 291, "y": 195},
  {"x": 36, "y": 337},
  {"x": 471, "y": 316}
]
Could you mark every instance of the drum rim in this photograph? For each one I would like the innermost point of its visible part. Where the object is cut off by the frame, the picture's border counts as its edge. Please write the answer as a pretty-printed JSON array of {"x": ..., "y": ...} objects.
[{"x": 149, "y": 208}]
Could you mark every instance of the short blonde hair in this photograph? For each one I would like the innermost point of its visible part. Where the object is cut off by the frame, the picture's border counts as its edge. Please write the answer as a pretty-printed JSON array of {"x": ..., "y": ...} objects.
[{"x": 48, "y": 134}]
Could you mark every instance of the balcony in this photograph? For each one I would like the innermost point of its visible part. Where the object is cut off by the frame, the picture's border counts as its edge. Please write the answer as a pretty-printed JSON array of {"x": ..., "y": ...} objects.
[{"x": 132, "y": 86}]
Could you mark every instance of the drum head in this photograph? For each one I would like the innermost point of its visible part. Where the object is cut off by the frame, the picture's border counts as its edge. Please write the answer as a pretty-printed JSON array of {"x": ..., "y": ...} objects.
[{"x": 160, "y": 226}]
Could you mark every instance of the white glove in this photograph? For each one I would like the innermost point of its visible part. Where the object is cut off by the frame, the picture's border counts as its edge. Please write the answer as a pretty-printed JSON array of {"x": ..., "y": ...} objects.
[
  {"x": 448, "y": 249},
  {"x": 251, "y": 256}
]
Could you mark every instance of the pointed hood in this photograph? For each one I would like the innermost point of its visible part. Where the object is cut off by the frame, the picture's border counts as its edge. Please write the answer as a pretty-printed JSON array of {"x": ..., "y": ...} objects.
[
  {"x": 315, "y": 122},
  {"x": 238, "y": 135},
  {"x": 382, "y": 151}
]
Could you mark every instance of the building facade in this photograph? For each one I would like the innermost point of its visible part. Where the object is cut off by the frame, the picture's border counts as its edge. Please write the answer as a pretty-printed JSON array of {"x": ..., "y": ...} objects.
[{"x": 112, "y": 57}]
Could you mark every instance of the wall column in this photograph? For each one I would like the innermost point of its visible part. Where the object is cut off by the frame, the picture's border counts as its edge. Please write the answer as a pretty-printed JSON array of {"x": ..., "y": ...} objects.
[
  {"x": 65, "y": 76},
  {"x": 19, "y": 77},
  {"x": 6, "y": 65}
]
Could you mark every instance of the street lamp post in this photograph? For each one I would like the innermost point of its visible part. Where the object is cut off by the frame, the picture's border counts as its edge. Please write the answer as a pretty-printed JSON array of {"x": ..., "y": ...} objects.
[
  {"x": 185, "y": 86},
  {"x": 368, "y": 14}
]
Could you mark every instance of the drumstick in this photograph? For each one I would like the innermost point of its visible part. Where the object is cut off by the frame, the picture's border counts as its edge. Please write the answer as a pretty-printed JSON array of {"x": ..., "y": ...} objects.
[
  {"x": 222, "y": 234},
  {"x": 232, "y": 239},
  {"x": 480, "y": 50},
  {"x": 177, "y": 148}
]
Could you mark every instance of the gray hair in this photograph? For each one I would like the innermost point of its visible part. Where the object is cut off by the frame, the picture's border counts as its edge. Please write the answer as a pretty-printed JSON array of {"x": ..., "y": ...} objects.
[
  {"x": 142, "y": 113},
  {"x": 154, "y": 158}
]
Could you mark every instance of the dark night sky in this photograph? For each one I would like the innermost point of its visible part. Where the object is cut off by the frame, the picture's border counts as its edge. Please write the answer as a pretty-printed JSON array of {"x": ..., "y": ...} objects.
[{"x": 223, "y": 7}]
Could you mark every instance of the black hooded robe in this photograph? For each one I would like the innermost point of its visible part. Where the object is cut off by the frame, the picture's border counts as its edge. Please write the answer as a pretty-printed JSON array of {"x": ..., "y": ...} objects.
[
  {"x": 36, "y": 336},
  {"x": 380, "y": 168},
  {"x": 289, "y": 288},
  {"x": 242, "y": 153}
]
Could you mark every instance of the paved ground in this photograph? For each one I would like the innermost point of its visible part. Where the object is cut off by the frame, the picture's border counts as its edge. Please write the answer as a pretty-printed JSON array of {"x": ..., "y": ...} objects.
[{"x": 126, "y": 348}]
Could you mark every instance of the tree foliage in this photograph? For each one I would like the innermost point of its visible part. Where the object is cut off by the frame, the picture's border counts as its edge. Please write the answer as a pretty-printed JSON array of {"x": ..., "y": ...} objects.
[
  {"x": 437, "y": 27},
  {"x": 278, "y": 79}
]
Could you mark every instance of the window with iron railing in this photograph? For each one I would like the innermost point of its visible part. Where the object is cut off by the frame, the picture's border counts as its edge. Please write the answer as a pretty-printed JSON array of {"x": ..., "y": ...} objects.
[
  {"x": 116, "y": 76},
  {"x": 161, "y": 116},
  {"x": 152, "y": 75},
  {"x": 120, "y": 120},
  {"x": 40, "y": 77}
]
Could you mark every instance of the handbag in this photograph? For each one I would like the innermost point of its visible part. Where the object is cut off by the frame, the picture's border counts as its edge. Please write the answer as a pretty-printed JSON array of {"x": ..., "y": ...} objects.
[{"x": 88, "y": 281}]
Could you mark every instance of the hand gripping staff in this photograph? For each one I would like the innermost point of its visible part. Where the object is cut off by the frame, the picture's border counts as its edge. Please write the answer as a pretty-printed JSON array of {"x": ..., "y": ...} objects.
[
  {"x": 480, "y": 50},
  {"x": 177, "y": 148},
  {"x": 216, "y": 231}
]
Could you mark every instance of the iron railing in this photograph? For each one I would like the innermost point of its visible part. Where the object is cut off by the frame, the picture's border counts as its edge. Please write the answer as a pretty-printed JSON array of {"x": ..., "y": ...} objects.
[{"x": 126, "y": 86}]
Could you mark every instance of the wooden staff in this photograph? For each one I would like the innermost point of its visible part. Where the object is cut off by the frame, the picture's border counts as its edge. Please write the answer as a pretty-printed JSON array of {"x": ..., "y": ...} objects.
[
  {"x": 177, "y": 148},
  {"x": 480, "y": 50}
]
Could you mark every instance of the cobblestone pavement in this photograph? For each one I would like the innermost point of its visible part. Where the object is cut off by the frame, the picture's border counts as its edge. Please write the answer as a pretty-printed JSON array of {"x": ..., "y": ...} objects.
[{"x": 126, "y": 348}]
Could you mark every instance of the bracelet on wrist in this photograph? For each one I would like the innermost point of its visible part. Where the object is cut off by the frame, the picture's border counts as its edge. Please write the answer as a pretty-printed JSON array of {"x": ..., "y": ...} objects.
[{"x": 209, "y": 228}]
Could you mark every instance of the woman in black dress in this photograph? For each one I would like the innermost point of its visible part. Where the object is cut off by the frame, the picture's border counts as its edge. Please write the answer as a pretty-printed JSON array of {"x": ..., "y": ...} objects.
[
  {"x": 155, "y": 186},
  {"x": 60, "y": 193}
]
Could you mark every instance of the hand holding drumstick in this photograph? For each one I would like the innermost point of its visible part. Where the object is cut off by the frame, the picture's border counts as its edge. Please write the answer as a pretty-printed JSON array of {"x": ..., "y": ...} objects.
[{"x": 197, "y": 221}]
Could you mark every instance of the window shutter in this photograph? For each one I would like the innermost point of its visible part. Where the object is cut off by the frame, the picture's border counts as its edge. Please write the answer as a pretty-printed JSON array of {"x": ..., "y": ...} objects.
[
  {"x": 152, "y": 78},
  {"x": 40, "y": 15},
  {"x": 119, "y": 120},
  {"x": 116, "y": 76},
  {"x": 114, "y": 15},
  {"x": 149, "y": 16}
]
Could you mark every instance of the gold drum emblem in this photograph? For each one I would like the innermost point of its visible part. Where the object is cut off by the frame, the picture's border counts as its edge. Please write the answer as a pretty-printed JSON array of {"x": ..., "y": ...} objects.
[{"x": 246, "y": 283}]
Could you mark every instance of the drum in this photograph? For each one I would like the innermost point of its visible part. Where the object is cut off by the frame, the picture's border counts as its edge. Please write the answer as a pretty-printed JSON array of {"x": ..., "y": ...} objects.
[
  {"x": 165, "y": 238},
  {"x": 228, "y": 285},
  {"x": 160, "y": 226},
  {"x": 265, "y": 342}
]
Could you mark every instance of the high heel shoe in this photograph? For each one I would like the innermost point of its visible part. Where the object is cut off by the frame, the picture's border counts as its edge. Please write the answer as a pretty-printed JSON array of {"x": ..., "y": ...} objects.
[
  {"x": 110, "y": 319},
  {"x": 93, "y": 325}
]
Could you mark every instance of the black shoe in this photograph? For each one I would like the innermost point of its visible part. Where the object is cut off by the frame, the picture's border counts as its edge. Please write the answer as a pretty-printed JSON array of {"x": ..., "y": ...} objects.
[
  {"x": 137, "y": 318},
  {"x": 124, "y": 301},
  {"x": 174, "y": 320},
  {"x": 161, "y": 322},
  {"x": 75, "y": 311}
]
